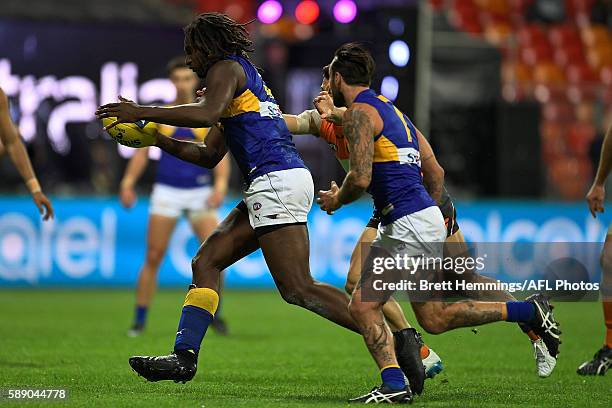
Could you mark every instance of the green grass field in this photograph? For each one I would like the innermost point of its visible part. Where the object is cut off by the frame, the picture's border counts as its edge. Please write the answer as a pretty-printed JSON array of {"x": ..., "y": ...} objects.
[{"x": 276, "y": 356}]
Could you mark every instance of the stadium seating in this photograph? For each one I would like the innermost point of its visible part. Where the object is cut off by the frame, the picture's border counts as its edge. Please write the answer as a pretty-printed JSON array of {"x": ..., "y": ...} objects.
[{"x": 566, "y": 66}]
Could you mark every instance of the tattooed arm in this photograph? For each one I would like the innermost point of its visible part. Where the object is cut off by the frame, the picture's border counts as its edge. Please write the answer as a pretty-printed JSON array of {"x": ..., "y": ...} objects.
[
  {"x": 359, "y": 131},
  {"x": 206, "y": 154},
  {"x": 433, "y": 173},
  {"x": 361, "y": 123}
]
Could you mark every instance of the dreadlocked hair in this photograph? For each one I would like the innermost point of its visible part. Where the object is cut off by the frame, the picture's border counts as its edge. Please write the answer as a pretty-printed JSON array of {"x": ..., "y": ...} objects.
[{"x": 218, "y": 36}]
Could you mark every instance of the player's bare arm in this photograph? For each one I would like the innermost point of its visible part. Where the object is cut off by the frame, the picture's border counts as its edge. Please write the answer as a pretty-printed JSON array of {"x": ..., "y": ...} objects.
[
  {"x": 596, "y": 195},
  {"x": 207, "y": 154},
  {"x": 433, "y": 173},
  {"x": 221, "y": 174},
  {"x": 305, "y": 123},
  {"x": 360, "y": 125},
  {"x": 222, "y": 81},
  {"x": 136, "y": 166},
  {"x": 9, "y": 137}
]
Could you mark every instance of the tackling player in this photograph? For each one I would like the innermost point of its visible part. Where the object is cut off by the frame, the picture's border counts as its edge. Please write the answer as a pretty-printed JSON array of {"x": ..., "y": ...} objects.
[
  {"x": 180, "y": 188},
  {"x": 277, "y": 198},
  {"x": 602, "y": 360},
  {"x": 11, "y": 143},
  {"x": 327, "y": 124},
  {"x": 384, "y": 158},
  {"x": 407, "y": 339}
]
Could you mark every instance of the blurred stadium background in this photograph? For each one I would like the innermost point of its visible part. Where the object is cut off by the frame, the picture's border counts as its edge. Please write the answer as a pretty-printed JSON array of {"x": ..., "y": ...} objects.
[{"x": 513, "y": 94}]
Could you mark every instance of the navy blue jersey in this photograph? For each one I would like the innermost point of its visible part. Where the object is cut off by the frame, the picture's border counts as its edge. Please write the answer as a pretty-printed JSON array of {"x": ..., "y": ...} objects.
[
  {"x": 397, "y": 184},
  {"x": 175, "y": 172},
  {"x": 255, "y": 131}
]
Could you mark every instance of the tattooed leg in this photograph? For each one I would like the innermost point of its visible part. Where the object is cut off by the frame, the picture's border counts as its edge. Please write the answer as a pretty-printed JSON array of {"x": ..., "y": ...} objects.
[
  {"x": 439, "y": 317},
  {"x": 372, "y": 325}
]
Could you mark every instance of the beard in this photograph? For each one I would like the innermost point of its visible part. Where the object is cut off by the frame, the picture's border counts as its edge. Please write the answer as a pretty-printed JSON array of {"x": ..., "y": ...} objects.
[
  {"x": 337, "y": 96},
  {"x": 339, "y": 100}
]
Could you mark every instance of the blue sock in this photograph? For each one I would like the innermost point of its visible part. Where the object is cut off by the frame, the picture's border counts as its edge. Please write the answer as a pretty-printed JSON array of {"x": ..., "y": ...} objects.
[
  {"x": 141, "y": 315},
  {"x": 192, "y": 328},
  {"x": 520, "y": 311},
  {"x": 393, "y": 377}
]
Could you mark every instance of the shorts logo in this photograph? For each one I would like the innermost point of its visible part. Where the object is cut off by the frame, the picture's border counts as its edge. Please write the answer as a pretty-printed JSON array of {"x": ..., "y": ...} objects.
[{"x": 256, "y": 206}]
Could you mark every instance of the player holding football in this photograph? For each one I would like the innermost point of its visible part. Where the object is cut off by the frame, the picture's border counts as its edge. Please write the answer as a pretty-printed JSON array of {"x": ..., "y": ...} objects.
[
  {"x": 276, "y": 202},
  {"x": 602, "y": 360},
  {"x": 384, "y": 158},
  {"x": 11, "y": 143},
  {"x": 180, "y": 188}
]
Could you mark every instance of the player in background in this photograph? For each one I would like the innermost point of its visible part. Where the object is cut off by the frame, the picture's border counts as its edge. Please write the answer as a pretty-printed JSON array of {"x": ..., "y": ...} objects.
[
  {"x": 384, "y": 158},
  {"x": 602, "y": 360},
  {"x": 277, "y": 198},
  {"x": 10, "y": 142},
  {"x": 180, "y": 188}
]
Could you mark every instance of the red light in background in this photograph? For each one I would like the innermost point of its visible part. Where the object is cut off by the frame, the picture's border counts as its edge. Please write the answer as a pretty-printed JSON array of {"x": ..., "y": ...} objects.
[{"x": 307, "y": 12}]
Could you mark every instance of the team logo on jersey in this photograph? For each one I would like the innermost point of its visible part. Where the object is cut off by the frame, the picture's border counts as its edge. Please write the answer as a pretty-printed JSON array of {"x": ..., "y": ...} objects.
[
  {"x": 256, "y": 206},
  {"x": 409, "y": 155}
]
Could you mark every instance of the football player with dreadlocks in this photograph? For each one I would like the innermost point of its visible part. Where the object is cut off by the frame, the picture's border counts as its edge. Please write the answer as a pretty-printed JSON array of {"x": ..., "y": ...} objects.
[{"x": 278, "y": 197}]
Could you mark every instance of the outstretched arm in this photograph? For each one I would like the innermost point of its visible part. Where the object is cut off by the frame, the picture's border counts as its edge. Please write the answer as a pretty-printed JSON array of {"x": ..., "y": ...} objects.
[
  {"x": 222, "y": 81},
  {"x": 306, "y": 123},
  {"x": 433, "y": 173},
  {"x": 206, "y": 154},
  {"x": 597, "y": 193}
]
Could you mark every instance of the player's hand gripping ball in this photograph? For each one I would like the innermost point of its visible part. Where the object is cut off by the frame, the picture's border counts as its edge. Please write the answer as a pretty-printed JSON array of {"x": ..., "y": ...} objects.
[{"x": 138, "y": 134}]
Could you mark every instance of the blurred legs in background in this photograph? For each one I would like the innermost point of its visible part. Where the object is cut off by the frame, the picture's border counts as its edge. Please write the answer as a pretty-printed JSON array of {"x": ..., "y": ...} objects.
[
  {"x": 602, "y": 360},
  {"x": 160, "y": 231}
]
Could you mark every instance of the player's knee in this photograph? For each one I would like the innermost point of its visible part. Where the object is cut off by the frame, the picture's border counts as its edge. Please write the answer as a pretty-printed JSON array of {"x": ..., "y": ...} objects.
[
  {"x": 349, "y": 286},
  {"x": 293, "y": 296},
  {"x": 297, "y": 292},
  {"x": 154, "y": 256},
  {"x": 358, "y": 309}
]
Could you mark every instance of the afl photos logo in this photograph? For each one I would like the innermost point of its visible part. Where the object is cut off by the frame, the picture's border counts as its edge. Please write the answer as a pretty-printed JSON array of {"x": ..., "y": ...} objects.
[{"x": 256, "y": 206}]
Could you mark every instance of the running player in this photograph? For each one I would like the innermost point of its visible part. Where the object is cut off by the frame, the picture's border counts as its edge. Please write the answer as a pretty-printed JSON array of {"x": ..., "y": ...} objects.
[
  {"x": 10, "y": 142},
  {"x": 406, "y": 337},
  {"x": 276, "y": 202},
  {"x": 180, "y": 188},
  {"x": 326, "y": 123},
  {"x": 602, "y": 360},
  {"x": 384, "y": 157}
]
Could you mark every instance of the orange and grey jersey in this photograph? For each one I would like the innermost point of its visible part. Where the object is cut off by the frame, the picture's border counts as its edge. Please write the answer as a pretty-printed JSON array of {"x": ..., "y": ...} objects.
[{"x": 397, "y": 184}]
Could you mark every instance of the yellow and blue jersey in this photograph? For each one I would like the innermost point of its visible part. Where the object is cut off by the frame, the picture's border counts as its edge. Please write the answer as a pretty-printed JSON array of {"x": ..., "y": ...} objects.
[
  {"x": 397, "y": 184},
  {"x": 254, "y": 128},
  {"x": 175, "y": 172}
]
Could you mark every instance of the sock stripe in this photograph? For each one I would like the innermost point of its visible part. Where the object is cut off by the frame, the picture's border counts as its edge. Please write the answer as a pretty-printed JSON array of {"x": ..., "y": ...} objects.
[
  {"x": 389, "y": 366},
  {"x": 204, "y": 298}
]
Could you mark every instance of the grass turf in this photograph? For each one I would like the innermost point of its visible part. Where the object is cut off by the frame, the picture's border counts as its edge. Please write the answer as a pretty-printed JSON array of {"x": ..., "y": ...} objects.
[{"x": 276, "y": 356}]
